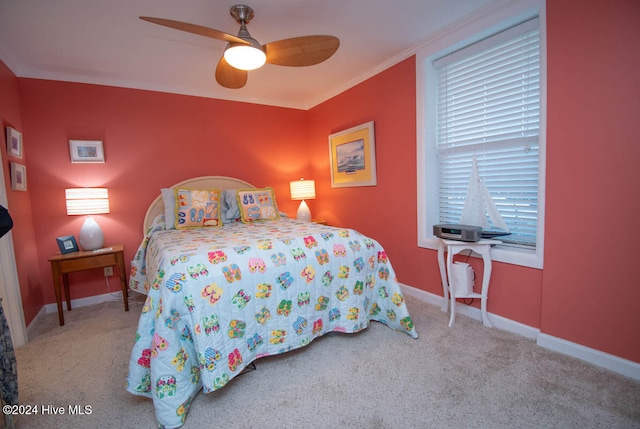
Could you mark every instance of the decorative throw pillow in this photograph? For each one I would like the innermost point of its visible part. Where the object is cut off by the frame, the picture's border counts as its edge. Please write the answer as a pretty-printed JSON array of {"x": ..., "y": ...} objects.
[
  {"x": 230, "y": 210},
  {"x": 169, "y": 201},
  {"x": 197, "y": 208},
  {"x": 257, "y": 204}
]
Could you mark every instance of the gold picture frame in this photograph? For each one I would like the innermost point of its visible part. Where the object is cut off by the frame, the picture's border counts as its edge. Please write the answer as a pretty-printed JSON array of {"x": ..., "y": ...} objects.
[{"x": 353, "y": 157}]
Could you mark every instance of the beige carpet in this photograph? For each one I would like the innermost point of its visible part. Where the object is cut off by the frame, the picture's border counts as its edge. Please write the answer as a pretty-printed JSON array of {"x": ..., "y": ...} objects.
[{"x": 465, "y": 376}]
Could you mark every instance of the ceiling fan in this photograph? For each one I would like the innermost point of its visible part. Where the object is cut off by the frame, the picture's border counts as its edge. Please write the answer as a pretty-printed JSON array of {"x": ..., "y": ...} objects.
[{"x": 244, "y": 53}]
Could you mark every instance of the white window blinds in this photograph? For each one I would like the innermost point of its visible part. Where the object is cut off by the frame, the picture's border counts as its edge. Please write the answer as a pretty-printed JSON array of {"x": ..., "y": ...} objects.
[{"x": 488, "y": 105}]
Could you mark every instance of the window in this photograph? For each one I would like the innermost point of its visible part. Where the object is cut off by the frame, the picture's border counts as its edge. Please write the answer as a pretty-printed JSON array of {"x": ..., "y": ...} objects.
[{"x": 485, "y": 100}]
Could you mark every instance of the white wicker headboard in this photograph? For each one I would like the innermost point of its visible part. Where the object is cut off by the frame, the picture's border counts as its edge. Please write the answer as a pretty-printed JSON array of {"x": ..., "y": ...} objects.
[{"x": 204, "y": 182}]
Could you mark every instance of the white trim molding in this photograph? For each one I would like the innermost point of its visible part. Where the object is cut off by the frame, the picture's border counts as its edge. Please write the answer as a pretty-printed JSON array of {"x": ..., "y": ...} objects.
[
  {"x": 596, "y": 357},
  {"x": 75, "y": 303},
  {"x": 453, "y": 38},
  {"x": 86, "y": 302}
]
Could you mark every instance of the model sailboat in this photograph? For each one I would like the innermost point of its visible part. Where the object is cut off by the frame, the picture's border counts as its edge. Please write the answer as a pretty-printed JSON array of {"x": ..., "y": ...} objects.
[{"x": 479, "y": 204}]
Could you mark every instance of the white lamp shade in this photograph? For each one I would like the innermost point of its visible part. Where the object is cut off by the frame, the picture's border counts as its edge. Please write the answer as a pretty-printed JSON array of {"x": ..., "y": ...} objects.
[
  {"x": 87, "y": 201},
  {"x": 303, "y": 189},
  {"x": 245, "y": 57},
  {"x": 91, "y": 236}
]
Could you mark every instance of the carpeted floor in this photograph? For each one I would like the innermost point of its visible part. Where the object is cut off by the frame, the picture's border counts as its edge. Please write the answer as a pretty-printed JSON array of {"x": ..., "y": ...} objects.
[{"x": 465, "y": 376}]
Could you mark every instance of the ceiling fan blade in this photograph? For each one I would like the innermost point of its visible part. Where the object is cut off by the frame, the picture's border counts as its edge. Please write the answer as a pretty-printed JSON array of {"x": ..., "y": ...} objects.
[
  {"x": 195, "y": 29},
  {"x": 230, "y": 77},
  {"x": 301, "y": 51}
]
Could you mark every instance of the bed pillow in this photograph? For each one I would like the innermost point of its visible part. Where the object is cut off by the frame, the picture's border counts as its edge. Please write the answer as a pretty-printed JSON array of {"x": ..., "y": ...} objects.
[
  {"x": 257, "y": 204},
  {"x": 169, "y": 200},
  {"x": 230, "y": 210},
  {"x": 197, "y": 208}
]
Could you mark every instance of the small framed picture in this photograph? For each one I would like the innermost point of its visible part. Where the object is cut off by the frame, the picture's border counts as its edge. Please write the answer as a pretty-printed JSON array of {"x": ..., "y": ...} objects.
[
  {"x": 67, "y": 244},
  {"x": 14, "y": 143},
  {"x": 86, "y": 151},
  {"x": 18, "y": 177}
]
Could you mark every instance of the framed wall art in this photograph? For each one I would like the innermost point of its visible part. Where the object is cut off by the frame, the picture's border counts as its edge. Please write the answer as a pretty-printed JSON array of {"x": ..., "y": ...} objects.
[
  {"x": 18, "y": 177},
  {"x": 67, "y": 244},
  {"x": 86, "y": 151},
  {"x": 14, "y": 143},
  {"x": 353, "y": 157}
]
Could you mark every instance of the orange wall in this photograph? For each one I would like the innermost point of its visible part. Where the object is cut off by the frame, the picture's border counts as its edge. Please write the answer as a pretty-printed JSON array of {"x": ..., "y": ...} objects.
[
  {"x": 388, "y": 212},
  {"x": 20, "y": 201},
  {"x": 151, "y": 140},
  {"x": 584, "y": 293},
  {"x": 591, "y": 279}
]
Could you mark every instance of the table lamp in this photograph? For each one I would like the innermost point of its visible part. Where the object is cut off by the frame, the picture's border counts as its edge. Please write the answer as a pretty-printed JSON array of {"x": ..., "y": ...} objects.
[
  {"x": 303, "y": 190},
  {"x": 88, "y": 201}
]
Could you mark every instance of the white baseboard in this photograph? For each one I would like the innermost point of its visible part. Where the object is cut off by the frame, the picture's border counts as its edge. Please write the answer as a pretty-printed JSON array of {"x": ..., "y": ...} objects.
[
  {"x": 614, "y": 363},
  {"x": 35, "y": 322},
  {"x": 596, "y": 357},
  {"x": 75, "y": 303},
  {"x": 85, "y": 302}
]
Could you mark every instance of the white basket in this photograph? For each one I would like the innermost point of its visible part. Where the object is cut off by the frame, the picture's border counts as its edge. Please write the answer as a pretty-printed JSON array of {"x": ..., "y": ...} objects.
[{"x": 461, "y": 279}]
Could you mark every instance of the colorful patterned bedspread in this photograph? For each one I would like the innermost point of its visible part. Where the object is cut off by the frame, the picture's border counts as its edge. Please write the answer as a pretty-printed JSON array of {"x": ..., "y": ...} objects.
[{"x": 219, "y": 298}]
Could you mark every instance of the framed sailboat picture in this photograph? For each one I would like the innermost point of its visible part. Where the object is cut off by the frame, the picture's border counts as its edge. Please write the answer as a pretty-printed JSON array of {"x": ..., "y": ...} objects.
[{"x": 353, "y": 157}]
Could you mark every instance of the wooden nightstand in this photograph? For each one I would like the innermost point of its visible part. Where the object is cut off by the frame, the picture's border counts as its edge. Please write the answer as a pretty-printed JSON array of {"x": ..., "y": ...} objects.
[
  {"x": 320, "y": 221},
  {"x": 61, "y": 265}
]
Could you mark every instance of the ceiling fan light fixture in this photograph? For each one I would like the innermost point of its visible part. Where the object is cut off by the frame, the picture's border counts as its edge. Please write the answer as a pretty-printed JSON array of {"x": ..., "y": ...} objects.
[
  {"x": 245, "y": 57},
  {"x": 244, "y": 53}
]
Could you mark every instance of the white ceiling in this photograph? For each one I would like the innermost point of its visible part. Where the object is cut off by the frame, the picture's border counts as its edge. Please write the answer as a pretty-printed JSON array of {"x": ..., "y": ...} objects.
[{"x": 104, "y": 42}]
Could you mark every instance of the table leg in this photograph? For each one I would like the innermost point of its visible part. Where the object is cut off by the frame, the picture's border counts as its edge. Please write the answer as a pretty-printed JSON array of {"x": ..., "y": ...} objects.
[
  {"x": 123, "y": 280},
  {"x": 486, "y": 276},
  {"x": 452, "y": 287},
  {"x": 65, "y": 281},
  {"x": 443, "y": 279},
  {"x": 55, "y": 270}
]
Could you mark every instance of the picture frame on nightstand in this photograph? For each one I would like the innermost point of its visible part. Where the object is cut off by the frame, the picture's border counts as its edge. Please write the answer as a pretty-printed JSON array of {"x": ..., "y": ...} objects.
[{"x": 67, "y": 244}]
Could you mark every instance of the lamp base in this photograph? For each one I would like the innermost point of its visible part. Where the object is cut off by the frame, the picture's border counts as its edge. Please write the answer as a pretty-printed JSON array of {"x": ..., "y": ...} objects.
[
  {"x": 303, "y": 212},
  {"x": 91, "y": 236}
]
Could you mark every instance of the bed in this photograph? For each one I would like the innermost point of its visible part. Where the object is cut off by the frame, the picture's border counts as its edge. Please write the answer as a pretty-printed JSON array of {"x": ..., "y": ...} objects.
[{"x": 224, "y": 291}]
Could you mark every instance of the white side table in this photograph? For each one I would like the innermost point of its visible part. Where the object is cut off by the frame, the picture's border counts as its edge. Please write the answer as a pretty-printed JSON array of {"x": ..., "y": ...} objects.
[{"x": 453, "y": 247}]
